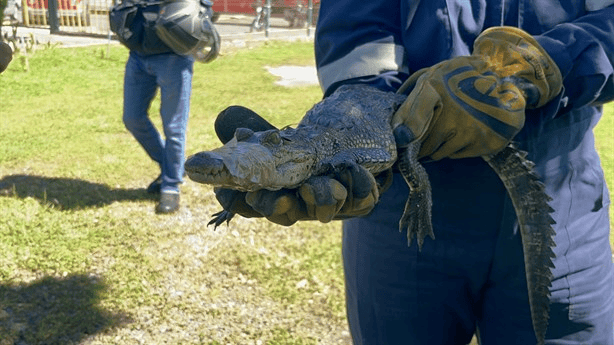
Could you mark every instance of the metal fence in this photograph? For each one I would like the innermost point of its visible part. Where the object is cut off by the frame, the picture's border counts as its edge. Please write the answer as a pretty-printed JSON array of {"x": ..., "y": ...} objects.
[
  {"x": 79, "y": 16},
  {"x": 92, "y": 16}
]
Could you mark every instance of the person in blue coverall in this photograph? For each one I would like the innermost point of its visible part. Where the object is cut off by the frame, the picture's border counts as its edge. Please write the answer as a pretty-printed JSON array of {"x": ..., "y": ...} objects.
[
  {"x": 553, "y": 61},
  {"x": 473, "y": 274}
]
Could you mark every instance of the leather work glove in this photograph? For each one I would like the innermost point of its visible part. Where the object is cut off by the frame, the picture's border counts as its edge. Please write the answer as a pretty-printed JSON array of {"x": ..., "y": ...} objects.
[
  {"x": 471, "y": 106},
  {"x": 351, "y": 192},
  {"x": 348, "y": 191}
]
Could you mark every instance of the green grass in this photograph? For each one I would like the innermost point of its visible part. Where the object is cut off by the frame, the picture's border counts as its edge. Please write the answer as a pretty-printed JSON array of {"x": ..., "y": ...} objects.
[
  {"x": 85, "y": 260},
  {"x": 75, "y": 216},
  {"x": 604, "y": 133}
]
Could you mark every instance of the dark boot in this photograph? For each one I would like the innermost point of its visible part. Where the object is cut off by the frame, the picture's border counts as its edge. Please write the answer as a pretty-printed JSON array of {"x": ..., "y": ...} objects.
[
  {"x": 154, "y": 187},
  {"x": 169, "y": 203}
]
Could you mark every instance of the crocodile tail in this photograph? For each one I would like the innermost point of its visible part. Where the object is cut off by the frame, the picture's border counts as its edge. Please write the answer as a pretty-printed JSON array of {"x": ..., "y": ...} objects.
[{"x": 530, "y": 202}]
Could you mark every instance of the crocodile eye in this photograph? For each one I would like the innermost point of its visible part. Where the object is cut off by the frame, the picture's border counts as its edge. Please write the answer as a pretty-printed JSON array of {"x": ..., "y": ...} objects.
[
  {"x": 274, "y": 138},
  {"x": 243, "y": 134}
]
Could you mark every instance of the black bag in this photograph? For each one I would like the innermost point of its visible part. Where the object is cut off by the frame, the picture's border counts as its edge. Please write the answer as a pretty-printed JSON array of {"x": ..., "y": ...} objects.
[{"x": 133, "y": 21}]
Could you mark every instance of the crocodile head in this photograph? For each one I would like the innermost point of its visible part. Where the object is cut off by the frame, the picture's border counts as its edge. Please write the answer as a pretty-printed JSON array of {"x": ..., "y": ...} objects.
[{"x": 270, "y": 159}]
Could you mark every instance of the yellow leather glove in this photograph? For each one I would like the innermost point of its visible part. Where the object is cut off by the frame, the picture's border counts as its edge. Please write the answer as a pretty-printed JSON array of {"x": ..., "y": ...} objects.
[
  {"x": 471, "y": 106},
  {"x": 351, "y": 191},
  {"x": 348, "y": 191}
]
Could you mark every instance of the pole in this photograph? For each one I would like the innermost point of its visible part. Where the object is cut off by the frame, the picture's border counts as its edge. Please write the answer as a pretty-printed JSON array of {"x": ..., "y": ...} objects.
[
  {"x": 309, "y": 17},
  {"x": 267, "y": 17},
  {"x": 54, "y": 19},
  {"x": 109, "y": 36}
]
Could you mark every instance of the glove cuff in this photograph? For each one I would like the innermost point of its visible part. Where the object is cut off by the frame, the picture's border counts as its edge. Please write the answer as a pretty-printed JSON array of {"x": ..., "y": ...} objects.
[{"x": 513, "y": 53}]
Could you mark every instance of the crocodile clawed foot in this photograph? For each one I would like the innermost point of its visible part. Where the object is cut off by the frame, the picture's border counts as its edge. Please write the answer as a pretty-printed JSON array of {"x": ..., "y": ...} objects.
[
  {"x": 221, "y": 217},
  {"x": 417, "y": 217}
]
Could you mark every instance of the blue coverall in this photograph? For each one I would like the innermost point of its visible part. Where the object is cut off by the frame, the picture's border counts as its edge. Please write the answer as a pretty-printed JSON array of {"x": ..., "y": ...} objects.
[{"x": 473, "y": 273}]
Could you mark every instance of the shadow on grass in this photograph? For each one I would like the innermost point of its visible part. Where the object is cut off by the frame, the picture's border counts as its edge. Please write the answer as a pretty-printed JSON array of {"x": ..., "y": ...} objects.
[
  {"x": 54, "y": 311},
  {"x": 67, "y": 193}
]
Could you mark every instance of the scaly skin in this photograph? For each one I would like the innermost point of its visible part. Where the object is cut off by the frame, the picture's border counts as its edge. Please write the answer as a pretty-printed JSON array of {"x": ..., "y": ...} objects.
[
  {"x": 533, "y": 212},
  {"x": 333, "y": 133},
  {"x": 330, "y": 134}
]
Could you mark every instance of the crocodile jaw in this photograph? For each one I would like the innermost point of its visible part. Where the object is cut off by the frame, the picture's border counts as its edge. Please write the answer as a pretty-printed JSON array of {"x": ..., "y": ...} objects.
[{"x": 245, "y": 166}]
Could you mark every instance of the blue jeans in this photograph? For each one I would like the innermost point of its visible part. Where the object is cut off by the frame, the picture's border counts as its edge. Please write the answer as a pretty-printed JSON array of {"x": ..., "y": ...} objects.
[
  {"x": 172, "y": 73},
  {"x": 473, "y": 273}
]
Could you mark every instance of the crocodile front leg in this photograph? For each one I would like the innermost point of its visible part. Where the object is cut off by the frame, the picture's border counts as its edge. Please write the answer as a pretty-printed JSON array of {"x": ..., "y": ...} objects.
[
  {"x": 417, "y": 218},
  {"x": 220, "y": 217}
]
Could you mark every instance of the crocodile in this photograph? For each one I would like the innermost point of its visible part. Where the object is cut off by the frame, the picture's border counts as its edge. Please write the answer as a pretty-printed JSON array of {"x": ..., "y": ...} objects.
[{"x": 353, "y": 126}]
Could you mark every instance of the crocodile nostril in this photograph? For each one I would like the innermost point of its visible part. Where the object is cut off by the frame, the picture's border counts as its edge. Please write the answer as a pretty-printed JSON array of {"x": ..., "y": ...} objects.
[
  {"x": 204, "y": 162},
  {"x": 243, "y": 134}
]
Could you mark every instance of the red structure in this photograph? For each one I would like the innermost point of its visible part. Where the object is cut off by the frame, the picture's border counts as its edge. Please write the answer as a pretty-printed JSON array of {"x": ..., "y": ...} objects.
[
  {"x": 249, "y": 6},
  {"x": 62, "y": 4},
  {"x": 235, "y": 6}
]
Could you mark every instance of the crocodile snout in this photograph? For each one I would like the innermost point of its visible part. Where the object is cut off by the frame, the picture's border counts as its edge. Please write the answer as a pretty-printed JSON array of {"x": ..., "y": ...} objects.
[
  {"x": 236, "y": 165},
  {"x": 204, "y": 164}
]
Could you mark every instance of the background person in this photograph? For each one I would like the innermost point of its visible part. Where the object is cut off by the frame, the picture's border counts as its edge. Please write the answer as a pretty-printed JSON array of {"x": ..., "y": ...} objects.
[
  {"x": 164, "y": 40},
  {"x": 172, "y": 73}
]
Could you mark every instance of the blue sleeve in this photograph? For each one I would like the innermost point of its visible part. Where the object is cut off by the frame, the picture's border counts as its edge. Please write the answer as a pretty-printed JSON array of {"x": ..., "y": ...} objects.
[
  {"x": 584, "y": 52},
  {"x": 356, "y": 40}
]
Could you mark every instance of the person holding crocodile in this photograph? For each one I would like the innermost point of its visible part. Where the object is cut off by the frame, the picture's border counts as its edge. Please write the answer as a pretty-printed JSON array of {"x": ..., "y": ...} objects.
[{"x": 477, "y": 74}]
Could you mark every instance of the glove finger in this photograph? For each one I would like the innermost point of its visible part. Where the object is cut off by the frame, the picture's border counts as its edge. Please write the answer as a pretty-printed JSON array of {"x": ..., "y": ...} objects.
[
  {"x": 477, "y": 151},
  {"x": 410, "y": 83},
  {"x": 433, "y": 143},
  {"x": 357, "y": 179},
  {"x": 280, "y": 207},
  {"x": 363, "y": 193},
  {"x": 358, "y": 207},
  {"x": 438, "y": 147},
  {"x": 285, "y": 219},
  {"x": 271, "y": 203},
  {"x": 293, "y": 215},
  {"x": 323, "y": 197},
  {"x": 447, "y": 151},
  {"x": 420, "y": 110},
  {"x": 234, "y": 201}
]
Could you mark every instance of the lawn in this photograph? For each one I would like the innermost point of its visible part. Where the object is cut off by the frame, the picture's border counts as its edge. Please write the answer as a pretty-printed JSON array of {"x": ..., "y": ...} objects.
[{"x": 86, "y": 261}]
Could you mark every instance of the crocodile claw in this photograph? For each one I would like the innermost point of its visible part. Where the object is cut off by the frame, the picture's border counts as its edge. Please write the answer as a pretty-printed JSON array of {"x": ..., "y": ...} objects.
[
  {"x": 417, "y": 217},
  {"x": 220, "y": 217}
]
